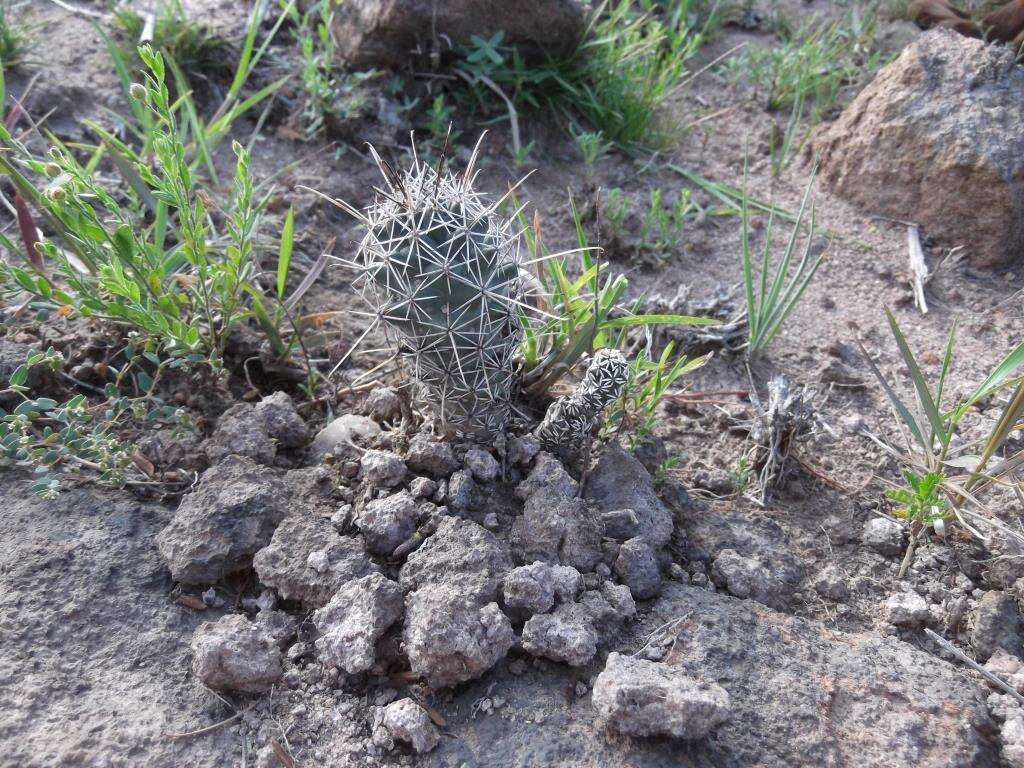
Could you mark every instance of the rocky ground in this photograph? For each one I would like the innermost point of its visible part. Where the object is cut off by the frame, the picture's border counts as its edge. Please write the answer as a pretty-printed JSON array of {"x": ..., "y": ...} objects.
[{"x": 340, "y": 587}]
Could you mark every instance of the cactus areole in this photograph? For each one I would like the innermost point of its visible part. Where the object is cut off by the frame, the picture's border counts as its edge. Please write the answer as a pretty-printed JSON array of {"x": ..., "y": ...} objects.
[{"x": 442, "y": 272}]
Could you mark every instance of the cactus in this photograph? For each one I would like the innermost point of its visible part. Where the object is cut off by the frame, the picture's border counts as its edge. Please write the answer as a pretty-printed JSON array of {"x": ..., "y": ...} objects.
[
  {"x": 570, "y": 419},
  {"x": 443, "y": 273}
]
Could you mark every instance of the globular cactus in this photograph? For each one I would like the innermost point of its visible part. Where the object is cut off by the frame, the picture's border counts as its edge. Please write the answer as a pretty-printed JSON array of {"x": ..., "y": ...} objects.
[
  {"x": 443, "y": 272},
  {"x": 570, "y": 419}
]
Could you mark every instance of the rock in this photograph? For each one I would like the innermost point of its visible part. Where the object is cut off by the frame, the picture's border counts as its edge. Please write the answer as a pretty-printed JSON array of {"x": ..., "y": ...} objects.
[
  {"x": 566, "y": 635},
  {"x": 355, "y": 618},
  {"x": 233, "y": 654},
  {"x": 407, "y": 721},
  {"x": 621, "y": 524},
  {"x": 906, "y": 609},
  {"x": 558, "y": 530},
  {"x": 529, "y": 589},
  {"x": 381, "y": 469},
  {"x": 620, "y": 599},
  {"x": 642, "y": 698},
  {"x": 240, "y": 431},
  {"x": 791, "y": 680},
  {"x": 308, "y": 560},
  {"x": 638, "y": 569},
  {"x": 461, "y": 490},
  {"x": 422, "y": 487},
  {"x": 344, "y": 437},
  {"x": 430, "y": 457},
  {"x": 375, "y": 34},
  {"x": 938, "y": 138},
  {"x": 549, "y": 477},
  {"x": 748, "y": 577},
  {"x": 484, "y": 467},
  {"x": 383, "y": 404},
  {"x": 386, "y": 523},
  {"x": 830, "y": 582},
  {"x": 279, "y": 419},
  {"x": 618, "y": 482},
  {"x": 522, "y": 450},
  {"x": 650, "y": 451},
  {"x": 567, "y": 581},
  {"x": 883, "y": 535},
  {"x": 1012, "y": 735},
  {"x": 220, "y": 525},
  {"x": 995, "y": 623},
  {"x": 461, "y": 555},
  {"x": 449, "y": 638}
]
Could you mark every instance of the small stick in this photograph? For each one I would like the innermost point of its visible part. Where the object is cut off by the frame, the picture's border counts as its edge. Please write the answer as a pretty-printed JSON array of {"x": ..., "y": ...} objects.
[
  {"x": 918, "y": 268},
  {"x": 994, "y": 679},
  {"x": 207, "y": 729}
]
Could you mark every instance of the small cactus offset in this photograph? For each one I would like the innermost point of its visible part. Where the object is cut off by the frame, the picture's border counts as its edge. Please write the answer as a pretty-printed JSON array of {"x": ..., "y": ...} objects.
[
  {"x": 443, "y": 272},
  {"x": 570, "y": 419}
]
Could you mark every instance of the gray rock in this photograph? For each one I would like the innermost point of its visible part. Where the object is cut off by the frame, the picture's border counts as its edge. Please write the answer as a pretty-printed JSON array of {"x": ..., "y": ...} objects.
[
  {"x": 566, "y": 635},
  {"x": 450, "y": 638},
  {"x": 484, "y": 467},
  {"x": 461, "y": 490},
  {"x": 355, "y": 618},
  {"x": 637, "y": 697},
  {"x": 422, "y": 487},
  {"x": 883, "y": 535},
  {"x": 374, "y": 34},
  {"x": 549, "y": 477},
  {"x": 559, "y": 531},
  {"x": 529, "y": 589},
  {"x": 382, "y": 469},
  {"x": 830, "y": 582},
  {"x": 383, "y": 404},
  {"x": 407, "y": 721},
  {"x": 995, "y": 623},
  {"x": 308, "y": 560},
  {"x": 748, "y": 577},
  {"x": 345, "y": 436},
  {"x": 240, "y": 431},
  {"x": 385, "y": 523},
  {"x": 938, "y": 138},
  {"x": 430, "y": 456},
  {"x": 621, "y": 524},
  {"x": 638, "y": 569},
  {"x": 906, "y": 609},
  {"x": 233, "y": 654},
  {"x": 1012, "y": 735},
  {"x": 618, "y": 482},
  {"x": 279, "y": 419},
  {"x": 620, "y": 599},
  {"x": 220, "y": 525},
  {"x": 567, "y": 581},
  {"x": 461, "y": 555},
  {"x": 522, "y": 450}
]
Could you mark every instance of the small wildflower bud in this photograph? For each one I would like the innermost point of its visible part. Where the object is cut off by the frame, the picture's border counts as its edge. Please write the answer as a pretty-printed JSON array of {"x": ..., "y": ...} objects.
[
  {"x": 138, "y": 91},
  {"x": 52, "y": 170},
  {"x": 57, "y": 194}
]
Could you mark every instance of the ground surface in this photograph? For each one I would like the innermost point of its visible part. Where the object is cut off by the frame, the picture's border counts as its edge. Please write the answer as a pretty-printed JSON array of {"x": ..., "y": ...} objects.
[{"x": 94, "y": 648}]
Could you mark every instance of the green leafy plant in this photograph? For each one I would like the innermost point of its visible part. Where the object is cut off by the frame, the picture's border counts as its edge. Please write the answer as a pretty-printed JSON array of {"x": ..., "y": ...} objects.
[
  {"x": 771, "y": 298},
  {"x": 921, "y": 500},
  {"x": 16, "y": 39},
  {"x": 170, "y": 31},
  {"x": 661, "y": 227},
  {"x": 156, "y": 264},
  {"x": 928, "y": 430},
  {"x": 591, "y": 145}
]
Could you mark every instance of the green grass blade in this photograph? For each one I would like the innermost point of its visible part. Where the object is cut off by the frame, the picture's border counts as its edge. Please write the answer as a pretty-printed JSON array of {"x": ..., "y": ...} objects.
[
  {"x": 284, "y": 259},
  {"x": 924, "y": 395},
  {"x": 901, "y": 409}
]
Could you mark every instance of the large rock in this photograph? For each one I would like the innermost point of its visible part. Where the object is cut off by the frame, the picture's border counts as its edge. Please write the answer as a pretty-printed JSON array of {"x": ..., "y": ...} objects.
[
  {"x": 385, "y": 523},
  {"x": 995, "y": 623},
  {"x": 358, "y": 614},
  {"x": 461, "y": 555},
  {"x": 566, "y": 635},
  {"x": 619, "y": 481},
  {"x": 220, "y": 525},
  {"x": 450, "y": 638},
  {"x": 234, "y": 654},
  {"x": 560, "y": 531},
  {"x": 805, "y": 695},
  {"x": 386, "y": 33},
  {"x": 938, "y": 138},
  {"x": 637, "y": 697},
  {"x": 307, "y": 560},
  {"x": 257, "y": 431}
]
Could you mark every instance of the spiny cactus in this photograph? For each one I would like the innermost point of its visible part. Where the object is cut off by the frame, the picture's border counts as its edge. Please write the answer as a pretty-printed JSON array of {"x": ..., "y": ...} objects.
[
  {"x": 443, "y": 272},
  {"x": 570, "y": 419}
]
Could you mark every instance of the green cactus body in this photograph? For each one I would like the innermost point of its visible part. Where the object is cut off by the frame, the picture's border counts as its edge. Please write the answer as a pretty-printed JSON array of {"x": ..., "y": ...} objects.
[
  {"x": 443, "y": 273},
  {"x": 570, "y": 419}
]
